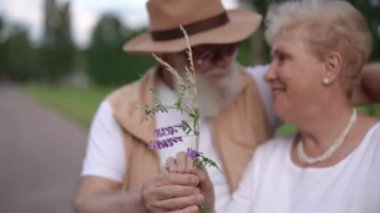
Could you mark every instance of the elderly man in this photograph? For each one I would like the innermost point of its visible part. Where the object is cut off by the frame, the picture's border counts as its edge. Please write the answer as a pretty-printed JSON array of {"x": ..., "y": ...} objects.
[{"x": 120, "y": 174}]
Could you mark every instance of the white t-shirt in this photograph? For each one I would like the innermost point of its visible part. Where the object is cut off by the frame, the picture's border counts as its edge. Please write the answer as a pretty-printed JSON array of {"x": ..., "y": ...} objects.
[
  {"x": 105, "y": 155},
  {"x": 274, "y": 184}
]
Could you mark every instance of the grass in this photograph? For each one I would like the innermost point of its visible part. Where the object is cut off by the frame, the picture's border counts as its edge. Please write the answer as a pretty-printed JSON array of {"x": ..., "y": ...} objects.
[{"x": 79, "y": 104}]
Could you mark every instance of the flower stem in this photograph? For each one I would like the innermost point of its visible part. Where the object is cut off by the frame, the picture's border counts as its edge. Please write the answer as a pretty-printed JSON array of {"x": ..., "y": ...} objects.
[{"x": 201, "y": 208}]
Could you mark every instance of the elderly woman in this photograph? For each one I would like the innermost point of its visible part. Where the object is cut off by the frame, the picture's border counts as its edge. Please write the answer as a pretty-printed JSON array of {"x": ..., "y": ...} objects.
[{"x": 333, "y": 163}]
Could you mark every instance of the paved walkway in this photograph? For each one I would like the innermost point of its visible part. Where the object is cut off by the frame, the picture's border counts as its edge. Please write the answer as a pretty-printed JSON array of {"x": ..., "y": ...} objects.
[{"x": 40, "y": 156}]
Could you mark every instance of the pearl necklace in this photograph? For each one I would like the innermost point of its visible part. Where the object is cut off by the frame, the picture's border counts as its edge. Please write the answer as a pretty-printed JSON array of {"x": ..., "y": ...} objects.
[{"x": 331, "y": 150}]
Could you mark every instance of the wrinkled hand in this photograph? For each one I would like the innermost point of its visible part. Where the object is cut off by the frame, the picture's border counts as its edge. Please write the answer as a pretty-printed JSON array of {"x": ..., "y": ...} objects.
[
  {"x": 185, "y": 165},
  {"x": 171, "y": 192}
]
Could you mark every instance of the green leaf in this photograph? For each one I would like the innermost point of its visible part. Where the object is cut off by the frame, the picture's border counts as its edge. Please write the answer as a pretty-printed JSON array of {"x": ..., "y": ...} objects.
[
  {"x": 208, "y": 162},
  {"x": 201, "y": 209},
  {"x": 186, "y": 127}
]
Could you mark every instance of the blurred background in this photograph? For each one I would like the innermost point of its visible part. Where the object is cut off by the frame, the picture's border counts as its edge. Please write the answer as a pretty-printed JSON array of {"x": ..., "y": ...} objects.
[
  {"x": 58, "y": 60},
  {"x": 76, "y": 45}
]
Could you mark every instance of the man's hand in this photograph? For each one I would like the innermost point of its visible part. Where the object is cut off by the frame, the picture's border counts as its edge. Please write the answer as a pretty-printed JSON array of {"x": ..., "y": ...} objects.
[
  {"x": 174, "y": 193},
  {"x": 368, "y": 92},
  {"x": 171, "y": 192},
  {"x": 185, "y": 164}
]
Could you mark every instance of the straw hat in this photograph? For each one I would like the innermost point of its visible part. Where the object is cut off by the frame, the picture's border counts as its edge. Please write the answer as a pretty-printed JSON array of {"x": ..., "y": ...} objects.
[{"x": 205, "y": 21}]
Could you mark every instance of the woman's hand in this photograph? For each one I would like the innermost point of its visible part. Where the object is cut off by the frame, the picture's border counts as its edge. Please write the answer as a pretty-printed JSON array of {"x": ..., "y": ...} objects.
[{"x": 185, "y": 164}]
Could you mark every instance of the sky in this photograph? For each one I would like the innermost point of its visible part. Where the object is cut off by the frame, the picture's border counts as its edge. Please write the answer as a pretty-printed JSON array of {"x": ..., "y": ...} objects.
[{"x": 85, "y": 14}]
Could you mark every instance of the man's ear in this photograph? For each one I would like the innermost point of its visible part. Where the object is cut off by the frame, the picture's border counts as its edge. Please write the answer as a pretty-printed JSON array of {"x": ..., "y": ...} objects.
[{"x": 333, "y": 67}]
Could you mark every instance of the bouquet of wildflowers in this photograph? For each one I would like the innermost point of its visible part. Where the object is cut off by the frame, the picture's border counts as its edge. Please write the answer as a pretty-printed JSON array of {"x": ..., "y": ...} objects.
[{"x": 186, "y": 105}]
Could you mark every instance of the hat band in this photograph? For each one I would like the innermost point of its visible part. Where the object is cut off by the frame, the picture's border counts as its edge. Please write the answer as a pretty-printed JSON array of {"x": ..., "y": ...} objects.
[{"x": 193, "y": 28}]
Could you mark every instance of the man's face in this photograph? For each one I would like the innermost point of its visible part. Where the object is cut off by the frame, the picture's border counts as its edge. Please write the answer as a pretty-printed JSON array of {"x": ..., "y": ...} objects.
[
  {"x": 216, "y": 77},
  {"x": 213, "y": 62},
  {"x": 207, "y": 57}
]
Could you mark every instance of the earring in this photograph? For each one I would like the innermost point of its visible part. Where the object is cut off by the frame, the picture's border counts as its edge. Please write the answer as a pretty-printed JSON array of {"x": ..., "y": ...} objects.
[{"x": 326, "y": 81}]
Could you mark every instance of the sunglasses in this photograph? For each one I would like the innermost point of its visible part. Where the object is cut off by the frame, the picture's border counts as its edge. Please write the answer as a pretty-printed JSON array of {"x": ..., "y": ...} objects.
[{"x": 211, "y": 56}]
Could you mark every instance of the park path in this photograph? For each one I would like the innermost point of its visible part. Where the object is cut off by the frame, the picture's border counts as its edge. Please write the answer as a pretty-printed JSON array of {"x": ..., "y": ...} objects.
[{"x": 41, "y": 153}]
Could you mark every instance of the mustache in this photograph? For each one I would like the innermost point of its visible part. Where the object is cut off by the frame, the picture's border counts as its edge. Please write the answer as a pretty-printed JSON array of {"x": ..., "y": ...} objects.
[{"x": 217, "y": 71}]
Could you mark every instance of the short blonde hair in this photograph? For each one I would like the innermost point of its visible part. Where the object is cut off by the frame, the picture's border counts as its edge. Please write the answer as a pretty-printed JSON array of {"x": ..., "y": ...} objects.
[{"x": 326, "y": 26}]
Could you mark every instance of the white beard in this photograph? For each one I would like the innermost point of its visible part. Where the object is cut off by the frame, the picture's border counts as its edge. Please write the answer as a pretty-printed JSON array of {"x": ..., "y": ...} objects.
[{"x": 212, "y": 98}]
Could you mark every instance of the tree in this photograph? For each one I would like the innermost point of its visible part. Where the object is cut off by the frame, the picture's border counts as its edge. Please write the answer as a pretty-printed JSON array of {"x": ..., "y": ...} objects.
[
  {"x": 3, "y": 51},
  {"x": 107, "y": 64},
  {"x": 258, "y": 50},
  {"x": 20, "y": 54},
  {"x": 16, "y": 53},
  {"x": 371, "y": 12},
  {"x": 255, "y": 50},
  {"x": 57, "y": 50},
  {"x": 370, "y": 9}
]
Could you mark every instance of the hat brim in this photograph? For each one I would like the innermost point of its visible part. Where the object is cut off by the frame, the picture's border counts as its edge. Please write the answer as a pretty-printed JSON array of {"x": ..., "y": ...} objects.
[{"x": 241, "y": 25}]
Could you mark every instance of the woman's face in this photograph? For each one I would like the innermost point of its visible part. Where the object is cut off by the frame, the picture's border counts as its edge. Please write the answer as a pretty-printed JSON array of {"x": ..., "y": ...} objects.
[{"x": 295, "y": 76}]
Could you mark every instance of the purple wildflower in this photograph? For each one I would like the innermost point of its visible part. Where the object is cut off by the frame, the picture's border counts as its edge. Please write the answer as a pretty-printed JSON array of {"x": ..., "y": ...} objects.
[
  {"x": 167, "y": 131},
  {"x": 193, "y": 153},
  {"x": 165, "y": 143}
]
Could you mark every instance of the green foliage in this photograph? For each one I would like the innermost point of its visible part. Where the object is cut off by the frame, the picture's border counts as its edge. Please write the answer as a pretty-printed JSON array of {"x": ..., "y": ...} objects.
[
  {"x": 245, "y": 56},
  {"x": 285, "y": 129},
  {"x": 1, "y": 24},
  {"x": 255, "y": 51},
  {"x": 372, "y": 15},
  {"x": 203, "y": 161},
  {"x": 201, "y": 209},
  {"x": 107, "y": 64},
  {"x": 18, "y": 56},
  {"x": 186, "y": 127},
  {"x": 372, "y": 109},
  {"x": 52, "y": 60},
  {"x": 57, "y": 52},
  {"x": 180, "y": 95},
  {"x": 195, "y": 115}
]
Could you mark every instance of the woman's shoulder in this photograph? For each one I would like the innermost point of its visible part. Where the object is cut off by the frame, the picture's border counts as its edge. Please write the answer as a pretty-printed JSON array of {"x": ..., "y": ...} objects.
[
  {"x": 270, "y": 154},
  {"x": 374, "y": 131},
  {"x": 371, "y": 126}
]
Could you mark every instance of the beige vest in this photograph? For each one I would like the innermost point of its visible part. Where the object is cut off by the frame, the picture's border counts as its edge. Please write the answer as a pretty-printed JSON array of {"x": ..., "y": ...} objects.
[{"x": 236, "y": 131}]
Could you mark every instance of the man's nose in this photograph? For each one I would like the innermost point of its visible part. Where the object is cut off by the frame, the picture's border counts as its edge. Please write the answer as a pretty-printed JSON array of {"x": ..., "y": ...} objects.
[{"x": 224, "y": 60}]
